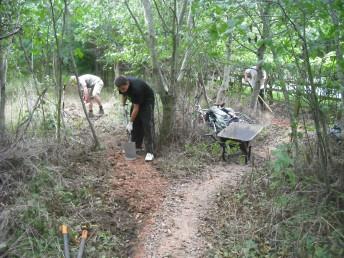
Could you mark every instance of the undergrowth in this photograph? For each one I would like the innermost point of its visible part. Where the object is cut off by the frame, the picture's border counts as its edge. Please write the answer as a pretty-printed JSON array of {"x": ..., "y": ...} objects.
[
  {"x": 51, "y": 195},
  {"x": 189, "y": 159},
  {"x": 279, "y": 212}
]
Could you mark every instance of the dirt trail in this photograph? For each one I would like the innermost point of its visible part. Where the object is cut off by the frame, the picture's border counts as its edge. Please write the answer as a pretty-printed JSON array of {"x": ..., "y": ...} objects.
[
  {"x": 174, "y": 228},
  {"x": 169, "y": 213},
  {"x": 173, "y": 231}
]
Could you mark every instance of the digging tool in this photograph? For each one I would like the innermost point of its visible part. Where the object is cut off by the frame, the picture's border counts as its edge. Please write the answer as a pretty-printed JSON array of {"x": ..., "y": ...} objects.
[
  {"x": 84, "y": 234},
  {"x": 267, "y": 106},
  {"x": 64, "y": 230},
  {"x": 129, "y": 147}
]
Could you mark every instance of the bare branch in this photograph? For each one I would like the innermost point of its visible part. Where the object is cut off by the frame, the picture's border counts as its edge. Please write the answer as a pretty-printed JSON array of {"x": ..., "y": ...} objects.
[
  {"x": 16, "y": 30},
  {"x": 95, "y": 138},
  {"x": 249, "y": 49},
  {"x": 135, "y": 20},
  {"x": 161, "y": 18},
  {"x": 28, "y": 120}
]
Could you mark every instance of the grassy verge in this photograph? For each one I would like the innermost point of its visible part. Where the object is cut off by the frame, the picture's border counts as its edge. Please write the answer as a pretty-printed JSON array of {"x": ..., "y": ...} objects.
[
  {"x": 278, "y": 212},
  {"x": 188, "y": 161}
]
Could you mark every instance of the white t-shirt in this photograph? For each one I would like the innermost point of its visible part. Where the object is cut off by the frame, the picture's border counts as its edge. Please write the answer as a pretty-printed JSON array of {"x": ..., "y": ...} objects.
[
  {"x": 89, "y": 80},
  {"x": 252, "y": 75}
]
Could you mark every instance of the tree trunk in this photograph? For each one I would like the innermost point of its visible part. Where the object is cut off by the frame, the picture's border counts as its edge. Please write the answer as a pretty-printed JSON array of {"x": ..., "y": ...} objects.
[
  {"x": 58, "y": 70},
  {"x": 167, "y": 97},
  {"x": 264, "y": 14},
  {"x": 3, "y": 73},
  {"x": 220, "y": 97},
  {"x": 162, "y": 85},
  {"x": 116, "y": 69},
  {"x": 168, "y": 109},
  {"x": 187, "y": 53},
  {"x": 201, "y": 79}
]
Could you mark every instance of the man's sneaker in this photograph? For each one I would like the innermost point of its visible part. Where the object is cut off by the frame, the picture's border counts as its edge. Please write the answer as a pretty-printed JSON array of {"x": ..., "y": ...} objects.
[
  {"x": 101, "y": 111},
  {"x": 149, "y": 157},
  {"x": 90, "y": 114}
]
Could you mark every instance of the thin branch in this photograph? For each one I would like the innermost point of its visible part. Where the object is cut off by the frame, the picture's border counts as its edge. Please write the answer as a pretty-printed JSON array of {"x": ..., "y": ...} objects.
[
  {"x": 95, "y": 138},
  {"x": 237, "y": 41},
  {"x": 16, "y": 30},
  {"x": 161, "y": 18},
  {"x": 187, "y": 52},
  {"x": 182, "y": 12},
  {"x": 251, "y": 18},
  {"x": 28, "y": 120},
  {"x": 135, "y": 20}
]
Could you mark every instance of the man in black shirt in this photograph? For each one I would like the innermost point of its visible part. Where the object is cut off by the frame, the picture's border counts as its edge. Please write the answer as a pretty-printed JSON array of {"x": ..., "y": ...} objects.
[{"x": 141, "y": 124}]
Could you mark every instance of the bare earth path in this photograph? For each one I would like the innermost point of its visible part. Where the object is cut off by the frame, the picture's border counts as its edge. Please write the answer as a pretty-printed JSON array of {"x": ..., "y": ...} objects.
[
  {"x": 174, "y": 228},
  {"x": 169, "y": 213}
]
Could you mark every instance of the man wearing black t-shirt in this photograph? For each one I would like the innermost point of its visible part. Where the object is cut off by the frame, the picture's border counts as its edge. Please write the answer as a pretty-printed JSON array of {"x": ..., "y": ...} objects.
[{"x": 141, "y": 124}]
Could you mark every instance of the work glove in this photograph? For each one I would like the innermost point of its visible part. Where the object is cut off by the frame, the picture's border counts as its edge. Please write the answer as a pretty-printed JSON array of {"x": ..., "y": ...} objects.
[{"x": 129, "y": 127}]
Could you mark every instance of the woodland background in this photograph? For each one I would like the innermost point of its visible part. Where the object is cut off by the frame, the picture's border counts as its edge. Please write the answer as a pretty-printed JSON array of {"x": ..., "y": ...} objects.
[{"x": 191, "y": 52}]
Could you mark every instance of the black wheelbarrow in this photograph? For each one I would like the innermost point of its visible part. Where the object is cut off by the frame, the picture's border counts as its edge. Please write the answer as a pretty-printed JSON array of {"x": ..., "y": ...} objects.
[{"x": 241, "y": 133}]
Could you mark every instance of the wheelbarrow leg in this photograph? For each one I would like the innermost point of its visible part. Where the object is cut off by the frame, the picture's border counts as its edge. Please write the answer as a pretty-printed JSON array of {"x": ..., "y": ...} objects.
[
  {"x": 246, "y": 150},
  {"x": 223, "y": 145}
]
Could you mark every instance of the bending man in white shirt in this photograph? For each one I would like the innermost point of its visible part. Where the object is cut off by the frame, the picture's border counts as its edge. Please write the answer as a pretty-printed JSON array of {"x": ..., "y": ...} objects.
[{"x": 91, "y": 86}]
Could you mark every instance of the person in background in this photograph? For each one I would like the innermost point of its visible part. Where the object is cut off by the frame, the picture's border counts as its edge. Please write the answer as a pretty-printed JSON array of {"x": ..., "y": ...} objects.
[
  {"x": 90, "y": 86},
  {"x": 141, "y": 124},
  {"x": 251, "y": 76}
]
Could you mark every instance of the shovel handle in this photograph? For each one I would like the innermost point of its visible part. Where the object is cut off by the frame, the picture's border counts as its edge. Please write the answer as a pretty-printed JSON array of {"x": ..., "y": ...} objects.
[
  {"x": 82, "y": 243},
  {"x": 64, "y": 230},
  {"x": 125, "y": 114}
]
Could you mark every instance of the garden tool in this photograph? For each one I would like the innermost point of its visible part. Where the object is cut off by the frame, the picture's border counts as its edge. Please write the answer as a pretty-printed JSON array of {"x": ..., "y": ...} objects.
[
  {"x": 84, "y": 233},
  {"x": 64, "y": 230},
  {"x": 129, "y": 147}
]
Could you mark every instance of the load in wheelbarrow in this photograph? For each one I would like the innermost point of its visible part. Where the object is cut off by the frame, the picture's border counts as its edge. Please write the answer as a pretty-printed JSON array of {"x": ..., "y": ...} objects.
[{"x": 231, "y": 128}]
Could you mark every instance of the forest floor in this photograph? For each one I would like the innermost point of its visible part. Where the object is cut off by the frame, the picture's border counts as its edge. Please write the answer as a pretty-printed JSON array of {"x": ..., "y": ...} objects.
[{"x": 159, "y": 209}]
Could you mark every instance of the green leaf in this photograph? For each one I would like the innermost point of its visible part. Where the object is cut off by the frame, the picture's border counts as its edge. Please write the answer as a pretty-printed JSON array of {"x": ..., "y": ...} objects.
[{"x": 79, "y": 53}]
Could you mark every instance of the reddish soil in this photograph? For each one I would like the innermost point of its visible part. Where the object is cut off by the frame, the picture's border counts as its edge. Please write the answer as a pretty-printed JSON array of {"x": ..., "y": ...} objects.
[{"x": 138, "y": 182}]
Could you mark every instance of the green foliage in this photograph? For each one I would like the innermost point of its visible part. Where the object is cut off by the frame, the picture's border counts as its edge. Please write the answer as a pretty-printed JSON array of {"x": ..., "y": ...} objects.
[
  {"x": 282, "y": 167},
  {"x": 203, "y": 150},
  {"x": 103, "y": 33}
]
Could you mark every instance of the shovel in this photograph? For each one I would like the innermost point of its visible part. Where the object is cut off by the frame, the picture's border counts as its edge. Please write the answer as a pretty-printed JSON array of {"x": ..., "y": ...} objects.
[{"x": 129, "y": 147}]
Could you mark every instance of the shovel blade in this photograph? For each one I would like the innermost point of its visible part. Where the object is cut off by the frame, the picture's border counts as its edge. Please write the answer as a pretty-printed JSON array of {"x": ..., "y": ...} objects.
[{"x": 129, "y": 150}]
